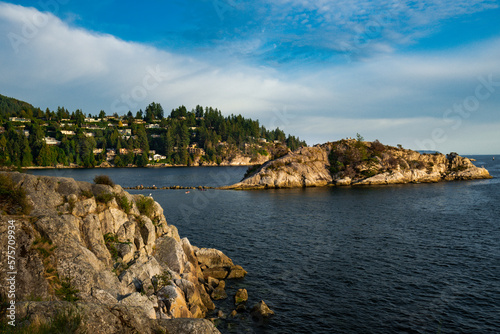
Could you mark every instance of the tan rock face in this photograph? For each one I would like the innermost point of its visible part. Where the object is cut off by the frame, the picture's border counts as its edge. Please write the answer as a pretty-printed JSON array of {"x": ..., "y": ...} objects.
[
  {"x": 213, "y": 258},
  {"x": 241, "y": 296},
  {"x": 118, "y": 264},
  {"x": 170, "y": 254},
  {"x": 351, "y": 162},
  {"x": 261, "y": 310}
]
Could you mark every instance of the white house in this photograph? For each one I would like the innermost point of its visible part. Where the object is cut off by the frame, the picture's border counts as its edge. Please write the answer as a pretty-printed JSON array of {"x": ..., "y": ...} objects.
[
  {"x": 52, "y": 141},
  {"x": 157, "y": 157},
  {"x": 68, "y": 132}
]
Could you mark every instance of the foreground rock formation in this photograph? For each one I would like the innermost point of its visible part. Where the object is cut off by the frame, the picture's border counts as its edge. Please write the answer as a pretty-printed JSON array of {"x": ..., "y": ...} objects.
[
  {"x": 355, "y": 162},
  {"x": 99, "y": 254}
]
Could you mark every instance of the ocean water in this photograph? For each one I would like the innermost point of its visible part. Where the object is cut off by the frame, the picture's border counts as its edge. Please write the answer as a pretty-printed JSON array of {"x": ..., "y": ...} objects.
[{"x": 415, "y": 258}]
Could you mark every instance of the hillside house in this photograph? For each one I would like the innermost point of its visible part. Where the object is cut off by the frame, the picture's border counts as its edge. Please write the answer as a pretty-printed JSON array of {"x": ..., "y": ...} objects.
[{"x": 52, "y": 141}]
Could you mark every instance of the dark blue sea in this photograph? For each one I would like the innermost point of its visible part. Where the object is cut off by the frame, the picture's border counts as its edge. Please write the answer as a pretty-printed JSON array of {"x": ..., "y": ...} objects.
[{"x": 415, "y": 258}]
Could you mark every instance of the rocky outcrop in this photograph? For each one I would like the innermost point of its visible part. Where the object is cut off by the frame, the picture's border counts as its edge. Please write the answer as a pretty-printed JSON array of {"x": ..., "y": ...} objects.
[
  {"x": 241, "y": 160},
  {"x": 115, "y": 254},
  {"x": 261, "y": 310},
  {"x": 355, "y": 162}
]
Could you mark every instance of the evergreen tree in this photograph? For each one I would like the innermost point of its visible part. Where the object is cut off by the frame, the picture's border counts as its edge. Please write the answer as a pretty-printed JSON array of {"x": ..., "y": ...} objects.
[
  {"x": 142, "y": 138},
  {"x": 4, "y": 152},
  {"x": 27, "y": 158},
  {"x": 142, "y": 160}
]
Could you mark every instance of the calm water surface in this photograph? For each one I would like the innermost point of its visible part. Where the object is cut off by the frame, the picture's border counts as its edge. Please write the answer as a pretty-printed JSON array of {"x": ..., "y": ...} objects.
[{"x": 416, "y": 258}]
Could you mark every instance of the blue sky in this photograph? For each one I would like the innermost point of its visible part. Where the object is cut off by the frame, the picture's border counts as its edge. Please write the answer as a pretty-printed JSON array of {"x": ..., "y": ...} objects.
[{"x": 424, "y": 74}]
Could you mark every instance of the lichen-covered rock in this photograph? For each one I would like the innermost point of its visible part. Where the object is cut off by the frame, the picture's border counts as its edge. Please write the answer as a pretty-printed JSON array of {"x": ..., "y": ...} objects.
[
  {"x": 236, "y": 271},
  {"x": 213, "y": 258},
  {"x": 188, "y": 326},
  {"x": 84, "y": 207},
  {"x": 241, "y": 296},
  {"x": 172, "y": 298},
  {"x": 148, "y": 233},
  {"x": 138, "y": 300},
  {"x": 193, "y": 298},
  {"x": 93, "y": 237},
  {"x": 261, "y": 310},
  {"x": 139, "y": 276},
  {"x": 169, "y": 253},
  {"x": 103, "y": 297}
]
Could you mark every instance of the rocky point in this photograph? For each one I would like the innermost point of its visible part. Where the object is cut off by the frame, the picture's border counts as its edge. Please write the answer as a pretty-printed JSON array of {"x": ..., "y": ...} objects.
[{"x": 109, "y": 258}]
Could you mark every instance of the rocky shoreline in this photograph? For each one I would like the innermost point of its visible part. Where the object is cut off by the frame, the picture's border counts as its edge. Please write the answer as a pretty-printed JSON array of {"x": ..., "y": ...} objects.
[
  {"x": 237, "y": 161},
  {"x": 111, "y": 258},
  {"x": 350, "y": 162}
]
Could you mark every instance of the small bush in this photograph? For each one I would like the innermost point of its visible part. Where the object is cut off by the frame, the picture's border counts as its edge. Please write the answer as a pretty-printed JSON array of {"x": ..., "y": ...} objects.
[
  {"x": 349, "y": 172},
  {"x": 67, "y": 292},
  {"x": 87, "y": 193},
  {"x": 146, "y": 206},
  {"x": 369, "y": 173},
  {"x": 251, "y": 170},
  {"x": 159, "y": 281},
  {"x": 44, "y": 247},
  {"x": 64, "y": 322},
  {"x": 378, "y": 147},
  {"x": 110, "y": 240},
  {"x": 13, "y": 199},
  {"x": 103, "y": 179},
  {"x": 124, "y": 204},
  {"x": 104, "y": 198}
]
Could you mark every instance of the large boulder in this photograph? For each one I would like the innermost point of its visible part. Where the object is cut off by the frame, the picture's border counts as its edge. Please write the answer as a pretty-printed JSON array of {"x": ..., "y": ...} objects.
[
  {"x": 188, "y": 326},
  {"x": 241, "y": 296},
  {"x": 213, "y": 258},
  {"x": 83, "y": 317},
  {"x": 138, "y": 300},
  {"x": 171, "y": 300},
  {"x": 193, "y": 298},
  {"x": 261, "y": 310},
  {"x": 169, "y": 253},
  {"x": 93, "y": 237},
  {"x": 139, "y": 276},
  {"x": 84, "y": 207}
]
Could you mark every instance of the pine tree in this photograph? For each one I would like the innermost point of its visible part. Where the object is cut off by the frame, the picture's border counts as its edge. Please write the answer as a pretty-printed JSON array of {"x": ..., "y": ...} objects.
[{"x": 27, "y": 158}]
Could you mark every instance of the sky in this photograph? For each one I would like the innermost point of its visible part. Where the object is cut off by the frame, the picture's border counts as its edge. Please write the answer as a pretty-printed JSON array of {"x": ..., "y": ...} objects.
[{"x": 424, "y": 74}]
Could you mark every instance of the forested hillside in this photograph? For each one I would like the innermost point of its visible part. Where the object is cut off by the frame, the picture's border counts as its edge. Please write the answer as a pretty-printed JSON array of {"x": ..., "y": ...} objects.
[{"x": 32, "y": 137}]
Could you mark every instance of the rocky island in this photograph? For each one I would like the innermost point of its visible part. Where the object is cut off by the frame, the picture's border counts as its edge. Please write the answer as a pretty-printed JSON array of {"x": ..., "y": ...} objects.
[
  {"x": 99, "y": 260},
  {"x": 356, "y": 162}
]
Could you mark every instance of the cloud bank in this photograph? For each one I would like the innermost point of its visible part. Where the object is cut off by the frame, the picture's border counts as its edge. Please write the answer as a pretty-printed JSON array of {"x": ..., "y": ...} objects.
[{"x": 397, "y": 98}]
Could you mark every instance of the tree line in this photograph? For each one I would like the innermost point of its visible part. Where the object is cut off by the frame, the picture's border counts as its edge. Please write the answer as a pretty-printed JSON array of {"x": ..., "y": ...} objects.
[{"x": 219, "y": 136}]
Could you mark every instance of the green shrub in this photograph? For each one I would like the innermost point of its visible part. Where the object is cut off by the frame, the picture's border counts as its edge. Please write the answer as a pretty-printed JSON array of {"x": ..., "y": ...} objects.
[
  {"x": 13, "y": 199},
  {"x": 64, "y": 322},
  {"x": 87, "y": 193},
  {"x": 124, "y": 204},
  {"x": 44, "y": 247},
  {"x": 67, "y": 292},
  {"x": 251, "y": 170},
  {"x": 103, "y": 179},
  {"x": 104, "y": 198},
  {"x": 110, "y": 241},
  {"x": 159, "y": 281},
  {"x": 369, "y": 173},
  {"x": 146, "y": 206}
]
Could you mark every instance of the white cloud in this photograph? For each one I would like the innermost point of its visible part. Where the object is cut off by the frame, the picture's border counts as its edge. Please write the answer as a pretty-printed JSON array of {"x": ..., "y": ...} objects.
[
  {"x": 360, "y": 27},
  {"x": 397, "y": 99}
]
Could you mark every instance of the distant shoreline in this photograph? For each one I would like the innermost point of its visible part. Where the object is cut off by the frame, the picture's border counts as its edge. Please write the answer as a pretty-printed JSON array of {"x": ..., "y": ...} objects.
[{"x": 99, "y": 167}]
